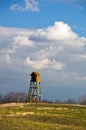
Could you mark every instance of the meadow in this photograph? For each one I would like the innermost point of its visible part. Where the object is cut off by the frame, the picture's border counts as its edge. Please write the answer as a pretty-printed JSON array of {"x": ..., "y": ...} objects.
[{"x": 43, "y": 116}]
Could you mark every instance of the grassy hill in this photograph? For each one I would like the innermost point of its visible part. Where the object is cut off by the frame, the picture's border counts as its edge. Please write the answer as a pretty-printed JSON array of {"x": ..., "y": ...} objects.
[{"x": 19, "y": 116}]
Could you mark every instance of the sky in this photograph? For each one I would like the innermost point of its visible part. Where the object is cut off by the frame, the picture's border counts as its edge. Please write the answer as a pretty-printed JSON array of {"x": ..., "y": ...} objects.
[{"x": 48, "y": 36}]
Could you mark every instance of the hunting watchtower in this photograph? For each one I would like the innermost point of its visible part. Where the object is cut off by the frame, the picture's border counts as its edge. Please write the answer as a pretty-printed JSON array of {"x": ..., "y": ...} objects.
[{"x": 34, "y": 94}]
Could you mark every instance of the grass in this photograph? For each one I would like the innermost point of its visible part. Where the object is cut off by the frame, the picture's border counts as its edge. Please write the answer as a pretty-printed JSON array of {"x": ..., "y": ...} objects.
[{"x": 42, "y": 116}]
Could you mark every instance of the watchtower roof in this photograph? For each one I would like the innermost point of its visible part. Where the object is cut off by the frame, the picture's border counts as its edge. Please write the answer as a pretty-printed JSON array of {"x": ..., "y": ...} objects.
[{"x": 35, "y": 73}]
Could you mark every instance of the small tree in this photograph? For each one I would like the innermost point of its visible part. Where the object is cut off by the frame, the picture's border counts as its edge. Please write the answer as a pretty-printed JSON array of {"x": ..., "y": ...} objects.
[
  {"x": 15, "y": 97},
  {"x": 46, "y": 101},
  {"x": 82, "y": 100},
  {"x": 21, "y": 97},
  {"x": 59, "y": 101},
  {"x": 1, "y": 99},
  {"x": 70, "y": 101}
]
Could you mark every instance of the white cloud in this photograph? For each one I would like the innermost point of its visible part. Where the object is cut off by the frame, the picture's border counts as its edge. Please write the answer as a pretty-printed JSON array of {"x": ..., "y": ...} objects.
[
  {"x": 31, "y": 5},
  {"x": 79, "y": 7},
  {"x": 61, "y": 33},
  {"x": 53, "y": 48},
  {"x": 77, "y": 4},
  {"x": 79, "y": 28},
  {"x": 16, "y": 7},
  {"x": 79, "y": 77},
  {"x": 44, "y": 63},
  {"x": 78, "y": 57},
  {"x": 22, "y": 41},
  {"x": 49, "y": 51},
  {"x": 81, "y": 57},
  {"x": 5, "y": 58},
  {"x": 70, "y": 0}
]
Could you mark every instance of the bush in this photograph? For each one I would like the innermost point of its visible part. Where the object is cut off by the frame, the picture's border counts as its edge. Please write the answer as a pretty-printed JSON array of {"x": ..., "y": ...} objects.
[
  {"x": 1, "y": 99},
  {"x": 82, "y": 100},
  {"x": 15, "y": 97},
  {"x": 70, "y": 101}
]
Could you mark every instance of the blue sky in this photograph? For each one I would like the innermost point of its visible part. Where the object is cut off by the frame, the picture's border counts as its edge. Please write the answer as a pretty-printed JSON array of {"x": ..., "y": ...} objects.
[{"x": 48, "y": 36}]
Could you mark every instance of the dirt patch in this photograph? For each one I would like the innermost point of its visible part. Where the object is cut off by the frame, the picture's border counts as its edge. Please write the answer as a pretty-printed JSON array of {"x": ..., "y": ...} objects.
[{"x": 12, "y": 105}]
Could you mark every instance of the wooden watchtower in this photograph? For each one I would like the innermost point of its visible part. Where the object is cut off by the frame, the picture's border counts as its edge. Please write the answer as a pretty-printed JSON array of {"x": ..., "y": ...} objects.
[{"x": 34, "y": 94}]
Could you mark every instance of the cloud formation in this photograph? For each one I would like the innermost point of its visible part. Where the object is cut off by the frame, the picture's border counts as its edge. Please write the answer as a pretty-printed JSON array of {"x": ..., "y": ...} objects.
[
  {"x": 56, "y": 47},
  {"x": 78, "y": 4},
  {"x": 31, "y": 5},
  {"x": 70, "y": 0},
  {"x": 59, "y": 31},
  {"x": 21, "y": 41},
  {"x": 44, "y": 63}
]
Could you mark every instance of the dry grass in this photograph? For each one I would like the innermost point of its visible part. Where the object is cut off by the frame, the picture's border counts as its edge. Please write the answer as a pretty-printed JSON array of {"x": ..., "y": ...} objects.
[{"x": 21, "y": 116}]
